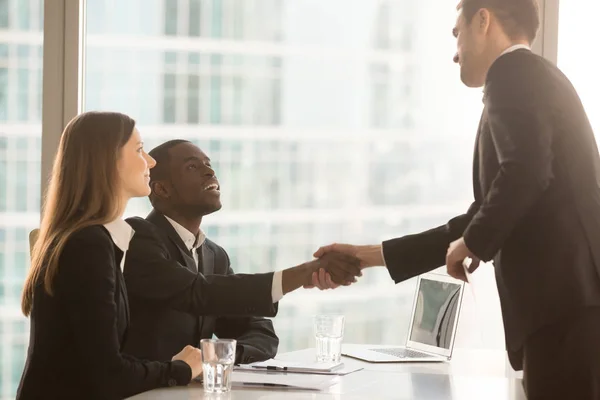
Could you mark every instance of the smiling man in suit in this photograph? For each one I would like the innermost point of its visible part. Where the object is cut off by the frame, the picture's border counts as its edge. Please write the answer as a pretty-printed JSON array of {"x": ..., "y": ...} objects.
[
  {"x": 180, "y": 283},
  {"x": 536, "y": 208}
]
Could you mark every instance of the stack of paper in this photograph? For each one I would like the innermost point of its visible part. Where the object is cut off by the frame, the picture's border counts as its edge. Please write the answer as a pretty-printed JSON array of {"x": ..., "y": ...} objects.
[
  {"x": 273, "y": 365},
  {"x": 283, "y": 380},
  {"x": 296, "y": 366}
]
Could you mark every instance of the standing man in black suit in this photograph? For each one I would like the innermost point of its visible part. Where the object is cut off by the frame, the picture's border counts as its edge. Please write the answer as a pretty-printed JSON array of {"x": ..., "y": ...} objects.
[
  {"x": 536, "y": 214},
  {"x": 181, "y": 286}
]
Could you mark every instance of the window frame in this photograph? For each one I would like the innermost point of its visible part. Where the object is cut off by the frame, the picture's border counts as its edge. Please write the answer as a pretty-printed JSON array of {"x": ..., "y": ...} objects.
[{"x": 63, "y": 72}]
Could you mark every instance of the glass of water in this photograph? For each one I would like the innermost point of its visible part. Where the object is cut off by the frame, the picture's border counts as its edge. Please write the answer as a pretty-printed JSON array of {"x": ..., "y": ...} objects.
[
  {"x": 329, "y": 331},
  {"x": 218, "y": 356}
]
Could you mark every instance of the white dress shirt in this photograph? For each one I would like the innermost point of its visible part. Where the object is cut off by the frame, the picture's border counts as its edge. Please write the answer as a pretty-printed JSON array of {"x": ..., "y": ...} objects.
[
  {"x": 193, "y": 243},
  {"x": 121, "y": 233},
  {"x": 515, "y": 47}
]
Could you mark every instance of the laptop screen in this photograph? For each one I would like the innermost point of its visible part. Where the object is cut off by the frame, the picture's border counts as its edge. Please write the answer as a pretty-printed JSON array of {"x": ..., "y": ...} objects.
[{"x": 436, "y": 309}]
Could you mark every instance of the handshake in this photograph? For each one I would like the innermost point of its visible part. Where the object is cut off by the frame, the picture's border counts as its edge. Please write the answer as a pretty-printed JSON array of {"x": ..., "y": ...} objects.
[{"x": 335, "y": 265}]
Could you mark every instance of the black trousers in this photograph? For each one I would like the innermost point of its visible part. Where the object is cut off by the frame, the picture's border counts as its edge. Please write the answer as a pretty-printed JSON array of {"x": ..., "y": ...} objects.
[{"x": 562, "y": 360}]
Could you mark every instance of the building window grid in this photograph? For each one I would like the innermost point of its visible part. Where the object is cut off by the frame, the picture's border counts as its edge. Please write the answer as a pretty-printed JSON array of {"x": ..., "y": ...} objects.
[
  {"x": 170, "y": 11},
  {"x": 180, "y": 88},
  {"x": 223, "y": 98},
  {"x": 224, "y": 19},
  {"x": 17, "y": 249},
  {"x": 17, "y": 190},
  {"x": 194, "y": 17},
  {"x": 22, "y": 65},
  {"x": 22, "y": 62},
  {"x": 202, "y": 66},
  {"x": 13, "y": 340},
  {"x": 205, "y": 18}
]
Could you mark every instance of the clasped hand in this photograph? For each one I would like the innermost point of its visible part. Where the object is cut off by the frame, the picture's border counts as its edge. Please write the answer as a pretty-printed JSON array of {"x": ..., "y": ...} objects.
[
  {"x": 359, "y": 257},
  {"x": 342, "y": 263},
  {"x": 334, "y": 269}
]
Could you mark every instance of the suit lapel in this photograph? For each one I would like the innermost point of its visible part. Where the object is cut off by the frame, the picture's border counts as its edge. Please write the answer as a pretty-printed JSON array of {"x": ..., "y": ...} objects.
[
  {"x": 207, "y": 259},
  {"x": 190, "y": 263},
  {"x": 476, "y": 161},
  {"x": 121, "y": 280},
  {"x": 206, "y": 265},
  {"x": 159, "y": 220}
]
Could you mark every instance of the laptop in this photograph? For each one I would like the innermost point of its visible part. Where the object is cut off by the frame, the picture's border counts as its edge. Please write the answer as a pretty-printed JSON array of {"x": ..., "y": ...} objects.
[{"x": 433, "y": 324}]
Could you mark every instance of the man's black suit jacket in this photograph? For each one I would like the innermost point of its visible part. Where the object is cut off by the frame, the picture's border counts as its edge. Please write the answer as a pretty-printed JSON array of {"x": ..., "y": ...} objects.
[
  {"x": 77, "y": 334},
  {"x": 174, "y": 305},
  {"x": 536, "y": 177}
]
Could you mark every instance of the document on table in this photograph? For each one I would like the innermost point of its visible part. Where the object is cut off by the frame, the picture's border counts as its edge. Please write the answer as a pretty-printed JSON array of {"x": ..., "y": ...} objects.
[
  {"x": 283, "y": 380},
  {"x": 303, "y": 367},
  {"x": 296, "y": 366}
]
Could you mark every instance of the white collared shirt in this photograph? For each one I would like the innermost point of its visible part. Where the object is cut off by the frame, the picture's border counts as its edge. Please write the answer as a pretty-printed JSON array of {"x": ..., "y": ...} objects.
[
  {"x": 193, "y": 243},
  {"x": 120, "y": 233},
  {"x": 515, "y": 47}
]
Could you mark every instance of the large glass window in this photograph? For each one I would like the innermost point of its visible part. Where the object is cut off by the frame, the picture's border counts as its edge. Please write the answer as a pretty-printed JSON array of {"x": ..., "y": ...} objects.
[
  {"x": 581, "y": 65},
  {"x": 326, "y": 121},
  {"x": 20, "y": 153}
]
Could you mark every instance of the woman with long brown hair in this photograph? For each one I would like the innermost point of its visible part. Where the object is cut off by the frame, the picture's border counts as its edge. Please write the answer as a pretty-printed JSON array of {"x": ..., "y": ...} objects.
[{"x": 75, "y": 293}]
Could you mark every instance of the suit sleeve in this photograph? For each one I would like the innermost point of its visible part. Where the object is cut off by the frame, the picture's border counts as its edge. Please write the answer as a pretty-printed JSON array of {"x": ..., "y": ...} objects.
[
  {"x": 412, "y": 255},
  {"x": 522, "y": 137},
  {"x": 256, "y": 338},
  {"x": 151, "y": 274},
  {"x": 87, "y": 283}
]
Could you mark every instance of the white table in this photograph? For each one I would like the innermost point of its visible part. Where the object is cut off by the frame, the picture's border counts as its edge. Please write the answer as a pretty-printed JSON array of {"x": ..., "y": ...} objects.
[
  {"x": 472, "y": 374},
  {"x": 465, "y": 362}
]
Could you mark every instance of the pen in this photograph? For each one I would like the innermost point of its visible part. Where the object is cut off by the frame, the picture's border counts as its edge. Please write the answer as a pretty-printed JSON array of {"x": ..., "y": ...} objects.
[
  {"x": 280, "y": 385},
  {"x": 275, "y": 368}
]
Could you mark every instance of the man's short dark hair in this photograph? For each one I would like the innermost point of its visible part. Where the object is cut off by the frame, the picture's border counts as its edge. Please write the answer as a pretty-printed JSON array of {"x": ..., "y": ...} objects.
[
  {"x": 519, "y": 18},
  {"x": 162, "y": 157}
]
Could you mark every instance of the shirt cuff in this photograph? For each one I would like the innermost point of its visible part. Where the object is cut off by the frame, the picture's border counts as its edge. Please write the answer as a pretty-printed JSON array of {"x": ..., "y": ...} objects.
[
  {"x": 383, "y": 256},
  {"x": 277, "y": 286}
]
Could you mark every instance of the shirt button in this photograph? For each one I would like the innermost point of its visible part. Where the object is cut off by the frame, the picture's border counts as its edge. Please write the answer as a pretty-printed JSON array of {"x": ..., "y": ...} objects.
[{"x": 172, "y": 382}]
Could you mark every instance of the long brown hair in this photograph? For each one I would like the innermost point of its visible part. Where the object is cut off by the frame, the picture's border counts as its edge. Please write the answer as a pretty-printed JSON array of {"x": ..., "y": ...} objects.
[{"x": 83, "y": 191}]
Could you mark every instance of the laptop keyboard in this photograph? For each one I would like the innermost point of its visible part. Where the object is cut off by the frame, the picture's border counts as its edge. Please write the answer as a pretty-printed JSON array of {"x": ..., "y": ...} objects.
[{"x": 403, "y": 353}]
